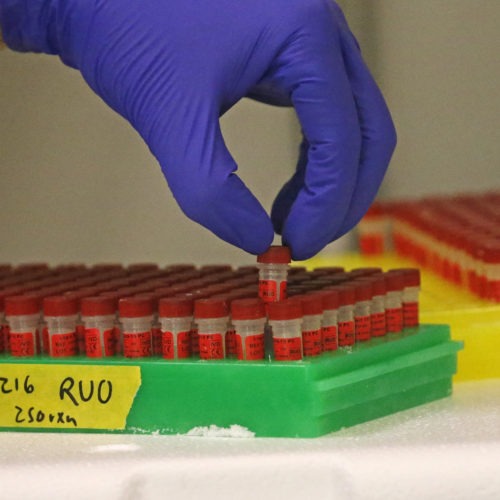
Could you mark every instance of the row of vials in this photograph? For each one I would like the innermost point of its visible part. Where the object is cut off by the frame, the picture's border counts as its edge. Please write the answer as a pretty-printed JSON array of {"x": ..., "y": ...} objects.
[{"x": 215, "y": 312}]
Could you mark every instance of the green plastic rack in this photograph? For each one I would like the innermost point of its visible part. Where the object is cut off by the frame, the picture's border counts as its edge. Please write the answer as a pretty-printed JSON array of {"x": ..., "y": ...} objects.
[{"x": 306, "y": 398}]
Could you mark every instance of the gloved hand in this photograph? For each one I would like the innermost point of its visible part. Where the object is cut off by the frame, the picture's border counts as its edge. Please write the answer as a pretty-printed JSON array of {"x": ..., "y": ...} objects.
[{"x": 173, "y": 67}]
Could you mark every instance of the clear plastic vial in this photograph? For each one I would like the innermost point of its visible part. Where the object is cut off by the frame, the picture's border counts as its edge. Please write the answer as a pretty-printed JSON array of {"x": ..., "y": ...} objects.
[
  {"x": 285, "y": 319},
  {"x": 312, "y": 312},
  {"x": 136, "y": 317},
  {"x": 346, "y": 315},
  {"x": 211, "y": 318},
  {"x": 362, "y": 311},
  {"x": 249, "y": 320},
  {"x": 59, "y": 336},
  {"x": 329, "y": 320},
  {"x": 377, "y": 310},
  {"x": 394, "y": 302},
  {"x": 99, "y": 319},
  {"x": 410, "y": 296},
  {"x": 273, "y": 270},
  {"x": 23, "y": 317},
  {"x": 176, "y": 319}
]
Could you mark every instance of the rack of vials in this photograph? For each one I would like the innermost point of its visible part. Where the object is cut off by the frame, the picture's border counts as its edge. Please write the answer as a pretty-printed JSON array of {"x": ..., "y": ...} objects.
[
  {"x": 455, "y": 236},
  {"x": 279, "y": 350}
]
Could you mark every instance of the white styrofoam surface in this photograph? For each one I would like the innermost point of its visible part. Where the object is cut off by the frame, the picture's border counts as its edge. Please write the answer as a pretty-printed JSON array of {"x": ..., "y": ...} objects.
[{"x": 446, "y": 449}]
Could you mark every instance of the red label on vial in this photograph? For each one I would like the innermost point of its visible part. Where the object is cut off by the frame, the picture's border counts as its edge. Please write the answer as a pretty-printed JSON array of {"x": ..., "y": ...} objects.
[
  {"x": 211, "y": 346},
  {"x": 330, "y": 340},
  {"x": 117, "y": 334},
  {"x": 22, "y": 344},
  {"x": 287, "y": 349},
  {"x": 394, "y": 319},
  {"x": 410, "y": 314},
  {"x": 4, "y": 338},
  {"x": 137, "y": 345},
  {"x": 231, "y": 351},
  {"x": 363, "y": 328},
  {"x": 183, "y": 345},
  {"x": 80, "y": 338},
  {"x": 63, "y": 344},
  {"x": 346, "y": 333},
  {"x": 45, "y": 340},
  {"x": 195, "y": 342},
  {"x": 94, "y": 344},
  {"x": 167, "y": 345},
  {"x": 268, "y": 290},
  {"x": 311, "y": 342},
  {"x": 378, "y": 324},
  {"x": 282, "y": 290},
  {"x": 254, "y": 347},
  {"x": 156, "y": 341}
]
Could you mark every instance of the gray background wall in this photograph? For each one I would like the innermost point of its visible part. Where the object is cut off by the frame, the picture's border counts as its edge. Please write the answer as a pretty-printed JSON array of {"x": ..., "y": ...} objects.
[{"x": 77, "y": 183}]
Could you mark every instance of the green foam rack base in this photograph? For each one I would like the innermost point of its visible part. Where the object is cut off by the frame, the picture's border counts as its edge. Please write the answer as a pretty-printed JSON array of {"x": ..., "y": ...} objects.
[{"x": 277, "y": 399}]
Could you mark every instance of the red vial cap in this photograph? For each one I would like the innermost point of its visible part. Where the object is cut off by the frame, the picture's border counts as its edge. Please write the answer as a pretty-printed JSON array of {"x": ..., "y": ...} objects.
[
  {"x": 394, "y": 282},
  {"x": 377, "y": 282},
  {"x": 489, "y": 250},
  {"x": 411, "y": 275},
  {"x": 329, "y": 299},
  {"x": 347, "y": 295},
  {"x": 22, "y": 305},
  {"x": 30, "y": 267},
  {"x": 175, "y": 307},
  {"x": 215, "y": 268},
  {"x": 363, "y": 290},
  {"x": 217, "y": 289},
  {"x": 275, "y": 255},
  {"x": 60, "y": 305},
  {"x": 365, "y": 271},
  {"x": 5, "y": 268},
  {"x": 180, "y": 268},
  {"x": 140, "y": 267},
  {"x": 98, "y": 306},
  {"x": 106, "y": 267},
  {"x": 311, "y": 304},
  {"x": 286, "y": 309},
  {"x": 210, "y": 308},
  {"x": 242, "y": 309},
  {"x": 243, "y": 270},
  {"x": 164, "y": 291},
  {"x": 135, "y": 307}
]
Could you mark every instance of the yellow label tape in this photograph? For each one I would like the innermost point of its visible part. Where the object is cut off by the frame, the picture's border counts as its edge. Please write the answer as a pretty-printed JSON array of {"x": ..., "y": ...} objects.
[{"x": 67, "y": 396}]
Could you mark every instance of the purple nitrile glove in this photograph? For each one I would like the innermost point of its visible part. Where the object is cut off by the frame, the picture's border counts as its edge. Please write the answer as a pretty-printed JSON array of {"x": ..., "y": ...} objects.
[{"x": 173, "y": 67}]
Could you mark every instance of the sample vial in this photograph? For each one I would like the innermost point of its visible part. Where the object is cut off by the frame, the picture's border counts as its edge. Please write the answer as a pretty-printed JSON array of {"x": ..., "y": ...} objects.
[
  {"x": 312, "y": 312},
  {"x": 285, "y": 319},
  {"x": 346, "y": 323},
  {"x": 156, "y": 348},
  {"x": 394, "y": 283},
  {"x": 377, "y": 309},
  {"x": 99, "y": 319},
  {"x": 23, "y": 316},
  {"x": 249, "y": 320},
  {"x": 176, "y": 319},
  {"x": 59, "y": 334},
  {"x": 136, "y": 316},
  {"x": 211, "y": 318},
  {"x": 273, "y": 268},
  {"x": 11, "y": 290},
  {"x": 411, "y": 290},
  {"x": 362, "y": 311},
  {"x": 329, "y": 321}
]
